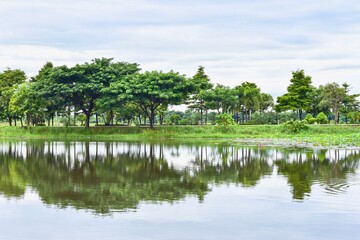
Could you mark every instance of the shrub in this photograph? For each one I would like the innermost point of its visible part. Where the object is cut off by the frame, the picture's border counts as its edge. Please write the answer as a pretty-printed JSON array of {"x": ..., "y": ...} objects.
[
  {"x": 185, "y": 121},
  {"x": 308, "y": 117},
  {"x": 321, "y": 118},
  {"x": 225, "y": 120},
  {"x": 293, "y": 127},
  {"x": 175, "y": 118},
  {"x": 311, "y": 120}
]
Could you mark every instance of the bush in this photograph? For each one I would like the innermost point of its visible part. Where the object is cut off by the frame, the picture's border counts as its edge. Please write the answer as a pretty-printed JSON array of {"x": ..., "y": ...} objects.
[
  {"x": 225, "y": 120},
  {"x": 311, "y": 120},
  {"x": 308, "y": 117},
  {"x": 263, "y": 118},
  {"x": 185, "y": 121},
  {"x": 293, "y": 127},
  {"x": 321, "y": 118},
  {"x": 175, "y": 118}
]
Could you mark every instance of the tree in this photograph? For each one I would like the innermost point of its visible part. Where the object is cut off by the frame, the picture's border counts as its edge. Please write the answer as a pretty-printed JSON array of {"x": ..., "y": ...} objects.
[
  {"x": 150, "y": 90},
  {"x": 251, "y": 98},
  {"x": 201, "y": 82},
  {"x": 266, "y": 102},
  {"x": 333, "y": 96},
  {"x": 315, "y": 107},
  {"x": 90, "y": 78},
  {"x": 350, "y": 102},
  {"x": 297, "y": 98},
  {"x": 9, "y": 80},
  {"x": 81, "y": 86},
  {"x": 47, "y": 93},
  {"x": 25, "y": 101},
  {"x": 221, "y": 98},
  {"x": 321, "y": 118}
]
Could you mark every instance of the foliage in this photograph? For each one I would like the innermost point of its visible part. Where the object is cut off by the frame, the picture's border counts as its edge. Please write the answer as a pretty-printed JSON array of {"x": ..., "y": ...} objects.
[
  {"x": 292, "y": 127},
  {"x": 333, "y": 96},
  {"x": 264, "y": 118},
  {"x": 297, "y": 97},
  {"x": 321, "y": 118},
  {"x": 310, "y": 119},
  {"x": 9, "y": 81},
  {"x": 354, "y": 117},
  {"x": 200, "y": 82},
  {"x": 175, "y": 118},
  {"x": 350, "y": 102},
  {"x": 225, "y": 120},
  {"x": 220, "y": 98},
  {"x": 150, "y": 90}
]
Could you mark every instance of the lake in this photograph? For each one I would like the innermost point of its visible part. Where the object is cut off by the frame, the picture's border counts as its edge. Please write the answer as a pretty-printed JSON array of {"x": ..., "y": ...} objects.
[{"x": 172, "y": 190}]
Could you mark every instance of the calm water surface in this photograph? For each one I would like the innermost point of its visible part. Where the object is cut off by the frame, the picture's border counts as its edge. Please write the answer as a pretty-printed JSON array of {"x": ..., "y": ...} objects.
[{"x": 119, "y": 190}]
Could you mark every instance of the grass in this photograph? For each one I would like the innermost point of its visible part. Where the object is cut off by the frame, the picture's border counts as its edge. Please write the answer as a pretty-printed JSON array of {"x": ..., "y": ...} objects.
[{"x": 316, "y": 135}]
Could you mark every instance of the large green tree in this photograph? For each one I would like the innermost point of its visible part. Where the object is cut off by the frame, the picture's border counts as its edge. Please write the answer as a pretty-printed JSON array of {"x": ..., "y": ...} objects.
[
  {"x": 266, "y": 102},
  {"x": 333, "y": 96},
  {"x": 150, "y": 90},
  {"x": 249, "y": 99},
  {"x": 9, "y": 80},
  {"x": 220, "y": 98},
  {"x": 81, "y": 86},
  {"x": 297, "y": 97},
  {"x": 350, "y": 102},
  {"x": 201, "y": 83},
  {"x": 25, "y": 101}
]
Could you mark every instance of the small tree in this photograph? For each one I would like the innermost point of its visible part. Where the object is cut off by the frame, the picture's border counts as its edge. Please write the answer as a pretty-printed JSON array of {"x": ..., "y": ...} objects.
[
  {"x": 308, "y": 117},
  {"x": 225, "y": 120},
  {"x": 175, "y": 118},
  {"x": 333, "y": 96},
  {"x": 321, "y": 118}
]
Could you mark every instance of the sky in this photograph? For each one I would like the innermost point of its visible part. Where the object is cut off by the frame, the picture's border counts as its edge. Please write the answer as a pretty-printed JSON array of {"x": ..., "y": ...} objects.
[{"x": 259, "y": 41}]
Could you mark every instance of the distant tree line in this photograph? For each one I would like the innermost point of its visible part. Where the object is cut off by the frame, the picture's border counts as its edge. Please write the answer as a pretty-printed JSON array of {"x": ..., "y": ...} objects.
[{"x": 117, "y": 92}]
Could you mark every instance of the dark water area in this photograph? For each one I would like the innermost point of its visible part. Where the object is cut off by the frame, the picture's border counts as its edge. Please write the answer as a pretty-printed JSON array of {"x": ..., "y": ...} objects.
[{"x": 130, "y": 190}]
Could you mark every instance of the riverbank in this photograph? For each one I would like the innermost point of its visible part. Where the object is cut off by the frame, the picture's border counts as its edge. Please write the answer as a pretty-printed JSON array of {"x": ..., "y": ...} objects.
[{"x": 316, "y": 135}]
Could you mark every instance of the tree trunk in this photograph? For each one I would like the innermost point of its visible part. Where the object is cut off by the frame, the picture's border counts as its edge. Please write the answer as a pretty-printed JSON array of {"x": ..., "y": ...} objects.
[
  {"x": 96, "y": 119},
  {"x": 87, "y": 122},
  {"x": 152, "y": 118},
  {"x": 335, "y": 116},
  {"x": 243, "y": 116},
  {"x": 201, "y": 116},
  {"x": 15, "y": 121},
  {"x": 69, "y": 116},
  {"x": 52, "y": 120},
  {"x": 21, "y": 122},
  {"x": 10, "y": 121},
  {"x": 27, "y": 119},
  {"x": 74, "y": 118},
  {"x": 206, "y": 116}
]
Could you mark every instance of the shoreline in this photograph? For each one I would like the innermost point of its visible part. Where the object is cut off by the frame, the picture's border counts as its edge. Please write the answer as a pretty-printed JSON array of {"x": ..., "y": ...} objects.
[{"x": 340, "y": 136}]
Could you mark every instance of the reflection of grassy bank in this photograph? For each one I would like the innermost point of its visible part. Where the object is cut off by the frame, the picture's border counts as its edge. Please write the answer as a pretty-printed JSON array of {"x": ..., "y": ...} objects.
[{"x": 318, "y": 135}]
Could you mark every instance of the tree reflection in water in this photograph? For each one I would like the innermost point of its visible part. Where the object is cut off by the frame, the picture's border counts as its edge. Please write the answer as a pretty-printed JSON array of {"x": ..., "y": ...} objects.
[{"x": 115, "y": 176}]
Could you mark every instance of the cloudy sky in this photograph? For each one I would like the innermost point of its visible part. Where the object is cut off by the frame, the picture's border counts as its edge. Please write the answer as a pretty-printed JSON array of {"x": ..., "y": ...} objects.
[{"x": 260, "y": 41}]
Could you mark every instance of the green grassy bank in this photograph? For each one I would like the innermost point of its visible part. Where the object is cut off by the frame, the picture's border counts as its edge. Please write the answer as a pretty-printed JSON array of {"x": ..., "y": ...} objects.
[{"x": 316, "y": 135}]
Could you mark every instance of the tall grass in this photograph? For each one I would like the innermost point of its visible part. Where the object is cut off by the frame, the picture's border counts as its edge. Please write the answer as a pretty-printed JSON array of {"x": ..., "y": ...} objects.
[{"x": 316, "y": 134}]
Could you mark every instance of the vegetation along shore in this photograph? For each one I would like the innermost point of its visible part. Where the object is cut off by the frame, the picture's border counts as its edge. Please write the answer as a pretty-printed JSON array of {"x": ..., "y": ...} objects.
[
  {"x": 103, "y": 99},
  {"x": 343, "y": 136}
]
